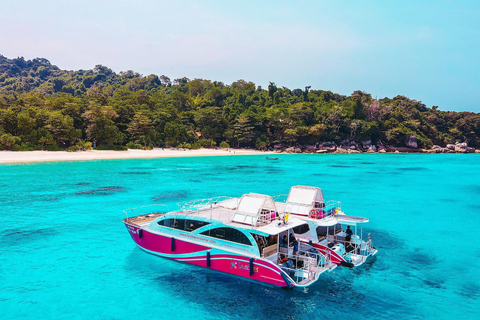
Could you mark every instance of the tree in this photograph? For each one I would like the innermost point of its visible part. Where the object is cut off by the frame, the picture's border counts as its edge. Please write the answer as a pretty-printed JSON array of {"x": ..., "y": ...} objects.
[
  {"x": 175, "y": 133},
  {"x": 209, "y": 122},
  {"x": 165, "y": 81},
  {"x": 61, "y": 127},
  {"x": 7, "y": 141},
  {"x": 140, "y": 128},
  {"x": 100, "y": 124},
  {"x": 272, "y": 88},
  {"x": 8, "y": 120},
  {"x": 224, "y": 145},
  {"x": 25, "y": 122},
  {"x": 243, "y": 130}
]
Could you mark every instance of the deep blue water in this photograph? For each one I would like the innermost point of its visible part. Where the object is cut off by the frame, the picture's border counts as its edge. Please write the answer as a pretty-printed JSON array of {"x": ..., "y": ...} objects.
[{"x": 65, "y": 253}]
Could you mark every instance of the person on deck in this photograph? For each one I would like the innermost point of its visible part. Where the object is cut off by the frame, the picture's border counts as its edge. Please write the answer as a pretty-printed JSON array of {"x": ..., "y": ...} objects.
[
  {"x": 295, "y": 246},
  {"x": 291, "y": 238},
  {"x": 283, "y": 241},
  {"x": 349, "y": 234}
]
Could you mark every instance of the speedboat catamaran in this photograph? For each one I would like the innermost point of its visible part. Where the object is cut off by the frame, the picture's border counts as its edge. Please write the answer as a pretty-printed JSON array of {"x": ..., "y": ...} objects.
[
  {"x": 239, "y": 236},
  {"x": 328, "y": 228}
]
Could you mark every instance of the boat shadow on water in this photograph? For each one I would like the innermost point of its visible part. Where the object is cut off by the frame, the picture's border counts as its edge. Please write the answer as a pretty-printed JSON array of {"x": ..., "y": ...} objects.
[{"x": 227, "y": 294}]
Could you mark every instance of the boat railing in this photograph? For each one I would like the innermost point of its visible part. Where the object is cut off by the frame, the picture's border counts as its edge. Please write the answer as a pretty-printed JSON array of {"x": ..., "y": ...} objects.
[
  {"x": 220, "y": 214},
  {"x": 148, "y": 209},
  {"x": 334, "y": 204},
  {"x": 200, "y": 204},
  {"x": 211, "y": 208},
  {"x": 366, "y": 247},
  {"x": 332, "y": 207},
  {"x": 304, "y": 267},
  {"x": 280, "y": 198},
  {"x": 361, "y": 249},
  {"x": 266, "y": 218}
]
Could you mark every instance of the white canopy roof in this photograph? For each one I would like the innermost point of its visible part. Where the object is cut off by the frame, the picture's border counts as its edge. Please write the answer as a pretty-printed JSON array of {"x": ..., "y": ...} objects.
[
  {"x": 250, "y": 207},
  {"x": 276, "y": 228},
  {"x": 301, "y": 199}
]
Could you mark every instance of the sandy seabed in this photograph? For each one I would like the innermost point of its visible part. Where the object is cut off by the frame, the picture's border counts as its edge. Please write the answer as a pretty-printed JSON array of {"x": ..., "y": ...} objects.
[{"x": 50, "y": 156}]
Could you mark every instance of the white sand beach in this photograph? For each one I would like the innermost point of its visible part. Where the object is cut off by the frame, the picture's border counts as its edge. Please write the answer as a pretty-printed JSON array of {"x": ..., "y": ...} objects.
[{"x": 52, "y": 156}]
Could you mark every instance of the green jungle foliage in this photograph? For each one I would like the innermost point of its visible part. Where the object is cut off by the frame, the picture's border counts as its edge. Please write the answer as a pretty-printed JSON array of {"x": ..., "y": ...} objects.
[{"x": 43, "y": 107}]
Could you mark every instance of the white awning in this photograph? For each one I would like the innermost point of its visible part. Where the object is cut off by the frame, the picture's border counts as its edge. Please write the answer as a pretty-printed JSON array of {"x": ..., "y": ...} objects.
[
  {"x": 301, "y": 199},
  {"x": 250, "y": 208},
  {"x": 276, "y": 228}
]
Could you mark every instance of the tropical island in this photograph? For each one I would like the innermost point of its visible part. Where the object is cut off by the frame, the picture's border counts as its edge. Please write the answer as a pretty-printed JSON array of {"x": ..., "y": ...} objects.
[{"x": 45, "y": 108}]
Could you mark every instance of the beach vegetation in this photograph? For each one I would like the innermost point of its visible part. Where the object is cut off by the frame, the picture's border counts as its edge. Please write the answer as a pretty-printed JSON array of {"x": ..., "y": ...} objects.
[
  {"x": 207, "y": 143},
  {"x": 45, "y": 108},
  {"x": 224, "y": 145},
  {"x": 113, "y": 147}
]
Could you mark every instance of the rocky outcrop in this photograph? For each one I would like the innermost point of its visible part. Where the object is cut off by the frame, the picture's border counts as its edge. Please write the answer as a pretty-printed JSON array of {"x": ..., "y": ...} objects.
[
  {"x": 328, "y": 146},
  {"x": 293, "y": 150},
  {"x": 411, "y": 142},
  {"x": 403, "y": 149},
  {"x": 369, "y": 147},
  {"x": 278, "y": 146},
  {"x": 461, "y": 147}
]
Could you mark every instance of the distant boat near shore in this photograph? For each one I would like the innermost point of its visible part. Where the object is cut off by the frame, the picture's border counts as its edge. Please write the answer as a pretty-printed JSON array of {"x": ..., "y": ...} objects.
[{"x": 271, "y": 158}]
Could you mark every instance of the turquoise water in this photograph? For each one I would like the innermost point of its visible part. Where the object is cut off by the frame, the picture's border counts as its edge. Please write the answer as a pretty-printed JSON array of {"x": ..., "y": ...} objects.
[{"x": 65, "y": 253}]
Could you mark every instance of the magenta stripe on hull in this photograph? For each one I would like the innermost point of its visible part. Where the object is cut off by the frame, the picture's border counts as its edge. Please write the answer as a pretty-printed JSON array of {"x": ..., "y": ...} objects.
[
  {"x": 220, "y": 260},
  {"x": 334, "y": 257}
]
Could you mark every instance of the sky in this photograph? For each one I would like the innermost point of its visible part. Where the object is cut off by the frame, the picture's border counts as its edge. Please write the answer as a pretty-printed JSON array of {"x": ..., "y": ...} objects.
[{"x": 426, "y": 50}]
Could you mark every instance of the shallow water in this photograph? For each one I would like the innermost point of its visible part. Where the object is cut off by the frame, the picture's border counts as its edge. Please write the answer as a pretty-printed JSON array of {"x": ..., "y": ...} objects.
[{"x": 64, "y": 252}]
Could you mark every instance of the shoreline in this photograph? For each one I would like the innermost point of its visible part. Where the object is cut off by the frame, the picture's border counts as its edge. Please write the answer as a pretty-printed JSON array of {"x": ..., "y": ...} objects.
[{"x": 17, "y": 157}]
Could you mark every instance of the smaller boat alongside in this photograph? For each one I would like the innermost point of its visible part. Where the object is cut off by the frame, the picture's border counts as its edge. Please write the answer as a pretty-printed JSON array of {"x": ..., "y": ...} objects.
[{"x": 328, "y": 229}]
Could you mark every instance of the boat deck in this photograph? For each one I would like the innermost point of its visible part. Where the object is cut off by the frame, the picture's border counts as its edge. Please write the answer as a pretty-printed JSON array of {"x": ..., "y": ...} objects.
[
  {"x": 144, "y": 219},
  {"x": 215, "y": 212}
]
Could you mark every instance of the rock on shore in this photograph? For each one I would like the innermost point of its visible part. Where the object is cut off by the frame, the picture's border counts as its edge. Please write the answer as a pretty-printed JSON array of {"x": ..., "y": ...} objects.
[{"x": 368, "y": 147}]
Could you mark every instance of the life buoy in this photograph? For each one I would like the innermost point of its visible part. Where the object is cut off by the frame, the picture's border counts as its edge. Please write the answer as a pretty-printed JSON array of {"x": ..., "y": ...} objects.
[{"x": 316, "y": 214}]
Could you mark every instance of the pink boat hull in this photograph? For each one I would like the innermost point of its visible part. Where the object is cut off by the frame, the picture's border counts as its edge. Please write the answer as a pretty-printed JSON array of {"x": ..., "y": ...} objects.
[{"x": 220, "y": 260}]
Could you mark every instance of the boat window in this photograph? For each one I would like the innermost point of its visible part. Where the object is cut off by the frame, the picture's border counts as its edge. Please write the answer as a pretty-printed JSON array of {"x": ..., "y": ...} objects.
[
  {"x": 183, "y": 224},
  {"x": 191, "y": 225},
  {"x": 304, "y": 228},
  {"x": 322, "y": 231},
  {"x": 228, "y": 234}
]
